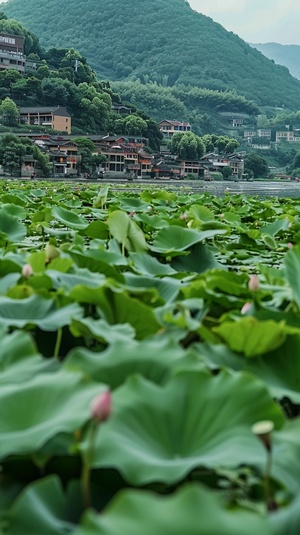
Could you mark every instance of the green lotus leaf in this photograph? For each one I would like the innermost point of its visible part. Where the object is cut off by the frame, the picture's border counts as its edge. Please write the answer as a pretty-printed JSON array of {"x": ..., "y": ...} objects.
[
  {"x": 8, "y": 266},
  {"x": 251, "y": 336},
  {"x": 286, "y": 451},
  {"x": 19, "y": 358},
  {"x": 96, "y": 229},
  {"x": 192, "y": 510},
  {"x": 292, "y": 267},
  {"x": 37, "y": 311},
  {"x": 70, "y": 280},
  {"x": 117, "y": 307},
  {"x": 175, "y": 239},
  {"x": 202, "y": 213},
  {"x": 126, "y": 231},
  {"x": 11, "y": 198},
  {"x": 287, "y": 521},
  {"x": 133, "y": 204},
  {"x": 161, "y": 434},
  {"x": 279, "y": 369},
  {"x": 39, "y": 509},
  {"x": 11, "y": 229},
  {"x": 95, "y": 265},
  {"x": 153, "y": 222},
  {"x": 154, "y": 359},
  {"x": 32, "y": 413},
  {"x": 167, "y": 288},
  {"x": 199, "y": 260},
  {"x": 8, "y": 281},
  {"x": 68, "y": 218},
  {"x": 273, "y": 228},
  {"x": 148, "y": 265},
  {"x": 15, "y": 210},
  {"x": 101, "y": 330}
]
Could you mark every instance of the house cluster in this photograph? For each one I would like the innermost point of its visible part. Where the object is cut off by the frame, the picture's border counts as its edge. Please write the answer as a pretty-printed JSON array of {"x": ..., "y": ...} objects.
[{"x": 125, "y": 156}]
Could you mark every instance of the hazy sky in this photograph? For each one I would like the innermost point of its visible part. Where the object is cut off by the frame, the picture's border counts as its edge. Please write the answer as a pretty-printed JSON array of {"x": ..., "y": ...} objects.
[{"x": 255, "y": 21}]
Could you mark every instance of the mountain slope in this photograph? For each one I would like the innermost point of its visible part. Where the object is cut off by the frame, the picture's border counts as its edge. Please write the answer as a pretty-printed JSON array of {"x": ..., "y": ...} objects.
[
  {"x": 163, "y": 41},
  {"x": 287, "y": 55}
]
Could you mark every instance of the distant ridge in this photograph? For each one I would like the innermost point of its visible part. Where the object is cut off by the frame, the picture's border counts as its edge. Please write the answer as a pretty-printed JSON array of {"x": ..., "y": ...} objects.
[
  {"x": 161, "y": 41},
  {"x": 287, "y": 55}
]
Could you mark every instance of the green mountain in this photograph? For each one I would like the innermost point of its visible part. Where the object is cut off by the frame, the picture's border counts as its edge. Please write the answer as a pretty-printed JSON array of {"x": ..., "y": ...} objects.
[
  {"x": 162, "y": 41},
  {"x": 287, "y": 55}
]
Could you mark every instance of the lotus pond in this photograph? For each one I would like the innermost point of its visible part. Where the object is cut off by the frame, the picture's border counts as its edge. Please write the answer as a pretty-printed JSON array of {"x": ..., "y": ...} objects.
[{"x": 185, "y": 308}]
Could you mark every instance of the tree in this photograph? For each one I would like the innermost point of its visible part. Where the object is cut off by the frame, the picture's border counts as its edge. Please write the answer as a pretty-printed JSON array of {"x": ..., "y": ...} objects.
[
  {"x": 227, "y": 171},
  {"x": 135, "y": 125},
  {"x": 13, "y": 150},
  {"x": 257, "y": 164},
  {"x": 187, "y": 145},
  {"x": 9, "y": 112}
]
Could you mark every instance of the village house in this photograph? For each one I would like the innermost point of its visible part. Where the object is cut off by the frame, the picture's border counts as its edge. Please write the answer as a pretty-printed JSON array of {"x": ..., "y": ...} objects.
[
  {"x": 285, "y": 135},
  {"x": 169, "y": 128},
  {"x": 12, "y": 52},
  {"x": 56, "y": 117}
]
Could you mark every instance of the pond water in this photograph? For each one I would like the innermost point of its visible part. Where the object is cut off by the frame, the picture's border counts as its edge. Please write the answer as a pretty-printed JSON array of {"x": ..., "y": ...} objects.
[{"x": 259, "y": 188}]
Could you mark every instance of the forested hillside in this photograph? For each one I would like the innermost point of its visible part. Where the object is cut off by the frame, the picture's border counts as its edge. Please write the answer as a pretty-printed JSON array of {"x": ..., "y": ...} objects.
[
  {"x": 287, "y": 55},
  {"x": 56, "y": 82},
  {"x": 162, "y": 41}
]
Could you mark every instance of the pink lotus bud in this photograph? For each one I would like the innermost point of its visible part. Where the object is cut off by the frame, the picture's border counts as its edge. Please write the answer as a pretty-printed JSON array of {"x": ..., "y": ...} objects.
[
  {"x": 27, "y": 271},
  {"x": 253, "y": 283},
  {"x": 183, "y": 216},
  {"x": 131, "y": 214},
  {"x": 101, "y": 407},
  {"x": 246, "y": 308},
  {"x": 290, "y": 245}
]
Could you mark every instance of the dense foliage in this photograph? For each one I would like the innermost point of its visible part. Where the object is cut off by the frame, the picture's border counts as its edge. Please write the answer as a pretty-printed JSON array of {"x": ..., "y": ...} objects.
[
  {"x": 162, "y": 41},
  {"x": 204, "y": 108},
  {"x": 63, "y": 78},
  {"x": 184, "y": 307}
]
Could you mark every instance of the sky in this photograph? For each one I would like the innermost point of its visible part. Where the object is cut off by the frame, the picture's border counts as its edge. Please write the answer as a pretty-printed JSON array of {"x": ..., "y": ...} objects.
[{"x": 255, "y": 21}]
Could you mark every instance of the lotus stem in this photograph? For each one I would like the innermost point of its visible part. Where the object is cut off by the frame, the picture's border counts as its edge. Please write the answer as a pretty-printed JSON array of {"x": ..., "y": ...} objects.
[
  {"x": 267, "y": 481},
  {"x": 86, "y": 466},
  {"x": 58, "y": 343}
]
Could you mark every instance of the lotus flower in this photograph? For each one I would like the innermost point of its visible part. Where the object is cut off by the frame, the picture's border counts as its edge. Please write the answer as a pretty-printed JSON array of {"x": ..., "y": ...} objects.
[
  {"x": 101, "y": 407},
  {"x": 254, "y": 283},
  {"x": 27, "y": 271}
]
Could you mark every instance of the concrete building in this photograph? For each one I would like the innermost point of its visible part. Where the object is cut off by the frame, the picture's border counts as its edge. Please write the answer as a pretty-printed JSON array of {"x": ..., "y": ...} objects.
[
  {"x": 169, "y": 128},
  {"x": 57, "y": 117},
  {"x": 12, "y": 52}
]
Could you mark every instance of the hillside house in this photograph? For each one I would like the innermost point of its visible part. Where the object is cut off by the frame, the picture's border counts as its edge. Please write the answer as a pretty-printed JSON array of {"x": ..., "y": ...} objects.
[
  {"x": 57, "y": 117},
  {"x": 169, "y": 128},
  {"x": 12, "y": 52},
  {"x": 285, "y": 135}
]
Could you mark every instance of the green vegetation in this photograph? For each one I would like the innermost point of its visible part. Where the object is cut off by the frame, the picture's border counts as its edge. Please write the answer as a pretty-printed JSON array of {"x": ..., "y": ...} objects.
[
  {"x": 166, "y": 43},
  {"x": 56, "y": 82},
  {"x": 13, "y": 151},
  {"x": 143, "y": 338}
]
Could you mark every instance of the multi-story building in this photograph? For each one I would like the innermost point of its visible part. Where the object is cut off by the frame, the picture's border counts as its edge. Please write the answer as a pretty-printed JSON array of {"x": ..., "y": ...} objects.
[
  {"x": 58, "y": 118},
  {"x": 169, "y": 128},
  {"x": 12, "y": 52},
  {"x": 285, "y": 135}
]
